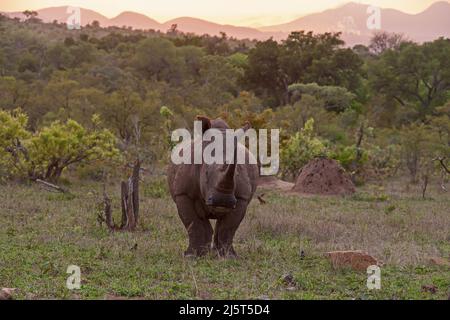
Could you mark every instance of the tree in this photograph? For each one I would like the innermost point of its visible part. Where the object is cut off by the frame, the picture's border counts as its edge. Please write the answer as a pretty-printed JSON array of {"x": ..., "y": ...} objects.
[
  {"x": 95, "y": 24},
  {"x": 12, "y": 131},
  {"x": 157, "y": 59},
  {"x": 335, "y": 99},
  {"x": 119, "y": 110},
  {"x": 173, "y": 30},
  {"x": 263, "y": 74},
  {"x": 30, "y": 14},
  {"x": 218, "y": 78},
  {"x": 382, "y": 41},
  {"x": 62, "y": 145},
  {"x": 13, "y": 93},
  {"x": 302, "y": 57},
  {"x": 417, "y": 76},
  {"x": 59, "y": 95}
]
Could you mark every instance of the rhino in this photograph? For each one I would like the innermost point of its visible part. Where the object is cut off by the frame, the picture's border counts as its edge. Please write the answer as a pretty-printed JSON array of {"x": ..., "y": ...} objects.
[{"x": 221, "y": 192}]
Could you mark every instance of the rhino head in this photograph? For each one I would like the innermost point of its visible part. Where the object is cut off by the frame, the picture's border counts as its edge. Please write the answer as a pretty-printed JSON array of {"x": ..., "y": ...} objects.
[{"x": 218, "y": 181}]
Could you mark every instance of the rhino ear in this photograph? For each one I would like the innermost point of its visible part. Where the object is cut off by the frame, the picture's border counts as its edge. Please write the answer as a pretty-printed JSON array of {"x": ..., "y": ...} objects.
[{"x": 206, "y": 123}]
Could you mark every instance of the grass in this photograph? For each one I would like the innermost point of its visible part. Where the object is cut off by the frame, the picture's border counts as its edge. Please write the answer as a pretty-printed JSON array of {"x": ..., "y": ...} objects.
[{"x": 42, "y": 233}]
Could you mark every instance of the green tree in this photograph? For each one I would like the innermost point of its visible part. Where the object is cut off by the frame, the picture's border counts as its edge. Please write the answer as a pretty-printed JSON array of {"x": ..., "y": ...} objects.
[
  {"x": 335, "y": 98},
  {"x": 416, "y": 76},
  {"x": 263, "y": 74},
  {"x": 157, "y": 59},
  {"x": 61, "y": 145},
  {"x": 300, "y": 149},
  {"x": 12, "y": 132}
]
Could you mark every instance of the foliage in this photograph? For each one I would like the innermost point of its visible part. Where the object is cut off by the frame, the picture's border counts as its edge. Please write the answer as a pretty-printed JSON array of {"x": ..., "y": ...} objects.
[
  {"x": 414, "y": 75},
  {"x": 300, "y": 149},
  {"x": 348, "y": 157},
  {"x": 419, "y": 145},
  {"x": 57, "y": 75},
  {"x": 335, "y": 98},
  {"x": 50, "y": 151},
  {"x": 301, "y": 58},
  {"x": 61, "y": 145},
  {"x": 12, "y": 131}
]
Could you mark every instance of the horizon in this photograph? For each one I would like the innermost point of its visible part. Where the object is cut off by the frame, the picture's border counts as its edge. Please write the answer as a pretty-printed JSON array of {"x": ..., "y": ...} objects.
[{"x": 270, "y": 13}]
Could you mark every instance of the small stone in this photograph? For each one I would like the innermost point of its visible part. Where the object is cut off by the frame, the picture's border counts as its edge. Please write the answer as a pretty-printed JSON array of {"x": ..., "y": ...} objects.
[
  {"x": 439, "y": 261},
  {"x": 291, "y": 288},
  {"x": 431, "y": 289},
  {"x": 7, "y": 293},
  {"x": 357, "y": 260},
  {"x": 288, "y": 280}
]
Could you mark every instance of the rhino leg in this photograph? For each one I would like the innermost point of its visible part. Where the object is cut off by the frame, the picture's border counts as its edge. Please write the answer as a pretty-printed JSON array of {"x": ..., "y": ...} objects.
[
  {"x": 199, "y": 228},
  {"x": 226, "y": 228}
]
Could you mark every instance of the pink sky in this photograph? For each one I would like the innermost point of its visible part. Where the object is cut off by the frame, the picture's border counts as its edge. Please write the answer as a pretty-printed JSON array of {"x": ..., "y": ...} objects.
[{"x": 239, "y": 12}]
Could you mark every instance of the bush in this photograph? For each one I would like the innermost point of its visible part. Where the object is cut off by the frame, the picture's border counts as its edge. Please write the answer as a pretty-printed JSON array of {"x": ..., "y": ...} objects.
[
  {"x": 347, "y": 157},
  {"x": 47, "y": 153},
  {"x": 300, "y": 149},
  {"x": 61, "y": 145},
  {"x": 12, "y": 131}
]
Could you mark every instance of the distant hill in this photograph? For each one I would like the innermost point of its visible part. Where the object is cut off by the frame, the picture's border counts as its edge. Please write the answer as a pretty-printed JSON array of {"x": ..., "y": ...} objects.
[
  {"x": 140, "y": 21},
  {"x": 200, "y": 26},
  {"x": 134, "y": 20},
  {"x": 60, "y": 14},
  {"x": 350, "y": 19}
]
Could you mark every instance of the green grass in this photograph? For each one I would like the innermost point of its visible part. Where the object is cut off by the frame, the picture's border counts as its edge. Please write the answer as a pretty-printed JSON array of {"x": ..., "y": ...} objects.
[{"x": 42, "y": 233}]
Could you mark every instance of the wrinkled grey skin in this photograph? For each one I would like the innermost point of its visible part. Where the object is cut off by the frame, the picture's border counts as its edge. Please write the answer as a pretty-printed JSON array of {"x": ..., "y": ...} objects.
[{"x": 203, "y": 192}]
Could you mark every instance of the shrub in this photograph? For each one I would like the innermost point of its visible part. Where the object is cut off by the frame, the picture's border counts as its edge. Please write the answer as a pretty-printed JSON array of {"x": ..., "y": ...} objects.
[
  {"x": 47, "y": 153},
  {"x": 300, "y": 149},
  {"x": 12, "y": 131},
  {"x": 61, "y": 145}
]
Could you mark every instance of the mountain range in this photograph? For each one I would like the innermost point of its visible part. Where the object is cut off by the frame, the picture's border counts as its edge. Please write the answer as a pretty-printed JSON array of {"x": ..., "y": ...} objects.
[{"x": 350, "y": 19}]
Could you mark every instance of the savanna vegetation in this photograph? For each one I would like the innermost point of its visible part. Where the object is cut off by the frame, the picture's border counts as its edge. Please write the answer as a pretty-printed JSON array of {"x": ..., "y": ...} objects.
[{"x": 78, "y": 106}]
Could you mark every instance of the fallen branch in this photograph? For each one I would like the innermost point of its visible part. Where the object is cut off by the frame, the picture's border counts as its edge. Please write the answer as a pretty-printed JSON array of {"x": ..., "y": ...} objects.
[
  {"x": 51, "y": 186},
  {"x": 260, "y": 199}
]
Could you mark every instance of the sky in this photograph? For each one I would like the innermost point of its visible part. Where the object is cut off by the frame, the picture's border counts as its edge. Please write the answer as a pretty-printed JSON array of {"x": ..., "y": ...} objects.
[{"x": 237, "y": 12}]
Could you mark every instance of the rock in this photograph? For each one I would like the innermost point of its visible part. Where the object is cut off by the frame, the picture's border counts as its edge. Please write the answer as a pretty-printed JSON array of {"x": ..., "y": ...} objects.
[
  {"x": 7, "y": 293},
  {"x": 431, "y": 289},
  {"x": 357, "y": 260},
  {"x": 288, "y": 280},
  {"x": 439, "y": 261}
]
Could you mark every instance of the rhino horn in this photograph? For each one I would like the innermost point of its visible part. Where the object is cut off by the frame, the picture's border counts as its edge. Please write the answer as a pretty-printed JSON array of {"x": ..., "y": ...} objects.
[{"x": 226, "y": 184}]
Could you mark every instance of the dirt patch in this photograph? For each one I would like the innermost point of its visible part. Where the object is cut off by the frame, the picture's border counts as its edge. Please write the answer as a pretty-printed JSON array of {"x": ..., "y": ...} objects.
[
  {"x": 323, "y": 176},
  {"x": 273, "y": 183}
]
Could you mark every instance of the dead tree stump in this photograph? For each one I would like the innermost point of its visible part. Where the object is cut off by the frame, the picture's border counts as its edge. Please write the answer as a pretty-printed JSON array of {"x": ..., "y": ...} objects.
[{"x": 129, "y": 203}]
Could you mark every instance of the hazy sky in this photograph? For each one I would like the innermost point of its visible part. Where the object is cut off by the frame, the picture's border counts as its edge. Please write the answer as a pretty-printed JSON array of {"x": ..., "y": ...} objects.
[{"x": 241, "y": 12}]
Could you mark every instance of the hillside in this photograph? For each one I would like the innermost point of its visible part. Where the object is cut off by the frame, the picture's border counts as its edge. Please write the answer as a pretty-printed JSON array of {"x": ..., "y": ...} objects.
[{"x": 350, "y": 19}]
